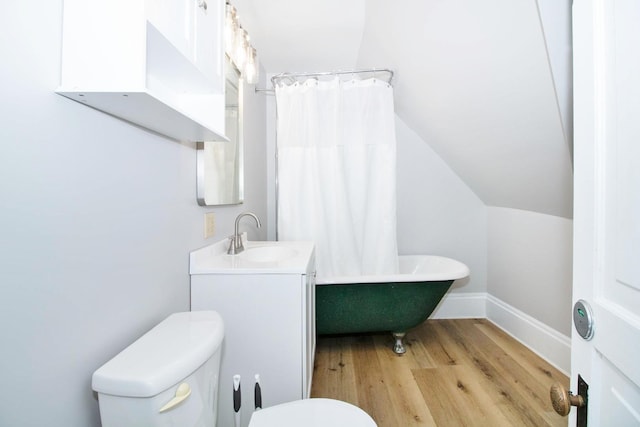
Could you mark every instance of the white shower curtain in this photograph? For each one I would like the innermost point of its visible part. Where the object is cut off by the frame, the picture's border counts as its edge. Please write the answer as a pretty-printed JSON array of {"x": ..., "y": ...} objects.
[{"x": 337, "y": 173}]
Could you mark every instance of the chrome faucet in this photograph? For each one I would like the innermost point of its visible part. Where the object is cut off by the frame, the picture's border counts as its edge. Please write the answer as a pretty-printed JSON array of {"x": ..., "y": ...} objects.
[{"x": 235, "y": 245}]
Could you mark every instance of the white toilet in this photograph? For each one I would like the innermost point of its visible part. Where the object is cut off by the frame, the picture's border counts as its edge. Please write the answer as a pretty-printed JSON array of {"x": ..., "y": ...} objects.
[{"x": 169, "y": 377}]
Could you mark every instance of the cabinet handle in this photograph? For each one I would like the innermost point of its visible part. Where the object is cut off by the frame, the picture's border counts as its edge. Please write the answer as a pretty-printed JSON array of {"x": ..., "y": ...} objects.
[
  {"x": 182, "y": 393},
  {"x": 202, "y": 4}
]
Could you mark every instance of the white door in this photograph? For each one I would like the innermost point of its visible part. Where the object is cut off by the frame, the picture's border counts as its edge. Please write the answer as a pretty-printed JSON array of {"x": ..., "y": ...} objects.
[{"x": 607, "y": 207}]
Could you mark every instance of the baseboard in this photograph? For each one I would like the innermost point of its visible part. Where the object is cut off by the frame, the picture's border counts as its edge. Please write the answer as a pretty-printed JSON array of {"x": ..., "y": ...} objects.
[
  {"x": 543, "y": 340},
  {"x": 546, "y": 342},
  {"x": 461, "y": 306}
]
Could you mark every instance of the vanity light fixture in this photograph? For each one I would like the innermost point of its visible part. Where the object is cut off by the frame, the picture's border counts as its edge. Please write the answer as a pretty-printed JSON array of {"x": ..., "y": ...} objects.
[{"x": 238, "y": 47}]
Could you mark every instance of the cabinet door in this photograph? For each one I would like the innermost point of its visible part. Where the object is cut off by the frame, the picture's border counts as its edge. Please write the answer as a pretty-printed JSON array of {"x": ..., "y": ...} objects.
[
  {"x": 195, "y": 29},
  {"x": 174, "y": 20},
  {"x": 263, "y": 335},
  {"x": 207, "y": 40}
]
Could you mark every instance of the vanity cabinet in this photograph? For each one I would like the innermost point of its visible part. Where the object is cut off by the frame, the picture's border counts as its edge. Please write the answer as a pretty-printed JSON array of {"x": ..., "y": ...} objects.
[
  {"x": 156, "y": 63},
  {"x": 268, "y": 309}
]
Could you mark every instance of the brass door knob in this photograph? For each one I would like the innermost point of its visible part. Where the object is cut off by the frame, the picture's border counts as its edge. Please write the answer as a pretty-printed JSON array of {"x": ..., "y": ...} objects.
[{"x": 562, "y": 399}]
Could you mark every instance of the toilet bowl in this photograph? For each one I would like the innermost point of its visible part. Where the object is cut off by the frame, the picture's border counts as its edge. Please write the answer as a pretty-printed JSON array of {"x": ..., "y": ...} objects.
[
  {"x": 312, "y": 413},
  {"x": 168, "y": 377}
]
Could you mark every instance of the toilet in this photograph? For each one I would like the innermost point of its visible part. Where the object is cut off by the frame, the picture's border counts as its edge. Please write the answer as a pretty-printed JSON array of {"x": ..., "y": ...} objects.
[{"x": 169, "y": 377}]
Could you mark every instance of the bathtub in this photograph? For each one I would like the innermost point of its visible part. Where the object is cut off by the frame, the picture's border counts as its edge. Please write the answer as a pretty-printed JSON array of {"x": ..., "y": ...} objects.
[{"x": 393, "y": 303}]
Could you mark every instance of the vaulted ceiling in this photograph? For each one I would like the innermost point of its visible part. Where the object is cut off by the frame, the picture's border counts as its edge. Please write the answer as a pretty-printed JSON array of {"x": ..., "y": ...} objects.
[{"x": 487, "y": 84}]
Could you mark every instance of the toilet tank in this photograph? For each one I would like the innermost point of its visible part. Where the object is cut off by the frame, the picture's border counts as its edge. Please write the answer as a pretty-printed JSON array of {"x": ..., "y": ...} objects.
[{"x": 168, "y": 377}]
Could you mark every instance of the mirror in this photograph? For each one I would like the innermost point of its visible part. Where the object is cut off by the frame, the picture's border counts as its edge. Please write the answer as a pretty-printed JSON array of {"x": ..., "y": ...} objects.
[{"x": 219, "y": 163}]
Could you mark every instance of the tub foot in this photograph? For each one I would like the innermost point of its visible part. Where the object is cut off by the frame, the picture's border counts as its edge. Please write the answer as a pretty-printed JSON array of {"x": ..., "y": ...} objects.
[{"x": 398, "y": 347}]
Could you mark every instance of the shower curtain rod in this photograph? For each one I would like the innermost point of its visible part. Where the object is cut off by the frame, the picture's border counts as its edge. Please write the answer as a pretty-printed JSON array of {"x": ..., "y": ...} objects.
[{"x": 292, "y": 77}]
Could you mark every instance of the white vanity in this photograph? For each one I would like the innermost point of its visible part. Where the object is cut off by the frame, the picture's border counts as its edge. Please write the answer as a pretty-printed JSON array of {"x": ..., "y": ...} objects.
[{"x": 266, "y": 297}]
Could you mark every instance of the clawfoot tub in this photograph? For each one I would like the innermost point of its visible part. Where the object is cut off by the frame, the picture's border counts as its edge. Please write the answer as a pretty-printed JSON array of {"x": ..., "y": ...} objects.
[{"x": 393, "y": 303}]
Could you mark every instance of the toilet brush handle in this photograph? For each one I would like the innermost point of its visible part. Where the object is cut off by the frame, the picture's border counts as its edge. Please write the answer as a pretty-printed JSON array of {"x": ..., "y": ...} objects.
[
  {"x": 257, "y": 393},
  {"x": 237, "y": 399}
]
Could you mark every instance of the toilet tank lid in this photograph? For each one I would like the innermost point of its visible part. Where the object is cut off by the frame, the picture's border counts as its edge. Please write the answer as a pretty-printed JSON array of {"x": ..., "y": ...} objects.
[{"x": 162, "y": 357}]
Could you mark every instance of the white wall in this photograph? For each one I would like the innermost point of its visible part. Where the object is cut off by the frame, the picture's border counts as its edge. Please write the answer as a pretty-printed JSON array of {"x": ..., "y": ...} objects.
[
  {"x": 97, "y": 220},
  {"x": 315, "y": 35},
  {"x": 271, "y": 160},
  {"x": 438, "y": 214},
  {"x": 473, "y": 80},
  {"x": 555, "y": 18},
  {"x": 530, "y": 264}
]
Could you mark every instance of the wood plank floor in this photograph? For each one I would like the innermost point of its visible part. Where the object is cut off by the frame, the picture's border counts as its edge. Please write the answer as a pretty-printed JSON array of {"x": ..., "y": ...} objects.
[{"x": 464, "y": 372}]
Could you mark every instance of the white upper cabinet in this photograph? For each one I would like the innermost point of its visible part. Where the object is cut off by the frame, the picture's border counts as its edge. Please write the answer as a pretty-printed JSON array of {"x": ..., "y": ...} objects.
[{"x": 155, "y": 63}]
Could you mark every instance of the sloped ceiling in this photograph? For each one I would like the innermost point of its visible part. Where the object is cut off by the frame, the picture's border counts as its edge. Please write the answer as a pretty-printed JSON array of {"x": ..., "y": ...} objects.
[{"x": 473, "y": 79}]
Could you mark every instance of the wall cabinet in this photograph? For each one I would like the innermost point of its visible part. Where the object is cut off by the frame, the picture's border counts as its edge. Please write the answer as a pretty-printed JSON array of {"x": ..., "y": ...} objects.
[
  {"x": 269, "y": 321},
  {"x": 158, "y": 64}
]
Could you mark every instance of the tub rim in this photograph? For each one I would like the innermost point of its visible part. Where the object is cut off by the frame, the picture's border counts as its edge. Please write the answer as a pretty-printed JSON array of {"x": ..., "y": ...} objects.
[{"x": 443, "y": 268}]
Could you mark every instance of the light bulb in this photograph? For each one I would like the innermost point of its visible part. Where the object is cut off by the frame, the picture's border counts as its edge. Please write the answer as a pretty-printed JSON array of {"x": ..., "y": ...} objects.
[
  {"x": 251, "y": 67},
  {"x": 240, "y": 50},
  {"x": 230, "y": 24}
]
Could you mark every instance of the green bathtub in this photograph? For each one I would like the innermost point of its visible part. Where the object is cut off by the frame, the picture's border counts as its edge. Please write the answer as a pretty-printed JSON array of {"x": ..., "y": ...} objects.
[{"x": 390, "y": 306}]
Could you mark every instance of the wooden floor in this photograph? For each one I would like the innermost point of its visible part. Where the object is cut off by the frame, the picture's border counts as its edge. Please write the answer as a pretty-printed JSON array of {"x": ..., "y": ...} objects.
[{"x": 455, "y": 373}]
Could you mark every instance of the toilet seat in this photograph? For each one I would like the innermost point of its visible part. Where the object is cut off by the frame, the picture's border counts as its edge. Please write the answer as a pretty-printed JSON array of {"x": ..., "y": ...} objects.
[{"x": 312, "y": 413}]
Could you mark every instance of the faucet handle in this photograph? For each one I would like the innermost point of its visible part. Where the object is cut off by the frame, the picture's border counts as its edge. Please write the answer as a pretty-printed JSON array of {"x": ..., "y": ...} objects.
[{"x": 232, "y": 245}]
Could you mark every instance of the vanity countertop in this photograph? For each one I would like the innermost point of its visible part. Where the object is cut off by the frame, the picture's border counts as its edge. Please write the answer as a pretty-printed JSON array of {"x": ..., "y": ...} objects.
[{"x": 258, "y": 257}]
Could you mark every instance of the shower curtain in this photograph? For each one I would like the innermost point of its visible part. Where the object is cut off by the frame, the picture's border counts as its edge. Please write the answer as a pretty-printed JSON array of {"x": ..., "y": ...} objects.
[{"x": 336, "y": 160}]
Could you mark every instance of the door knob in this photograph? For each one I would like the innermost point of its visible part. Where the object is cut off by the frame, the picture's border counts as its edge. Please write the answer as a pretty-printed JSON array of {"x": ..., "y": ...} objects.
[{"x": 562, "y": 399}]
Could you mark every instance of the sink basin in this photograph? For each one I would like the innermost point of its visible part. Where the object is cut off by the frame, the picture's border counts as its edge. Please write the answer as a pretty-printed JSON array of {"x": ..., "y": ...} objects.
[
  {"x": 268, "y": 253},
  {"x": 258, "y": 257}
]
